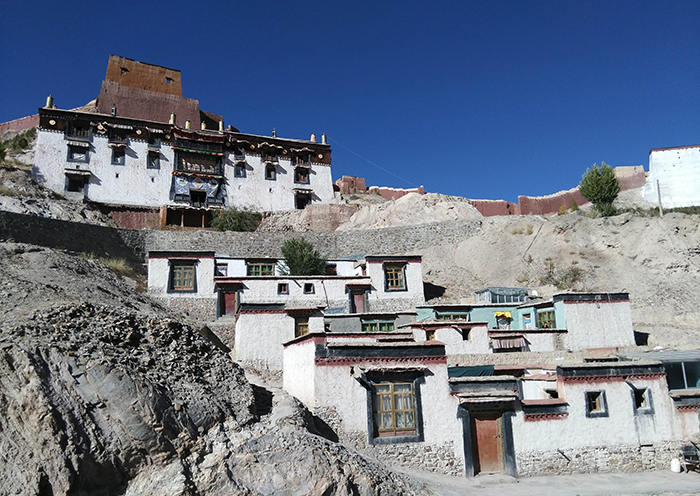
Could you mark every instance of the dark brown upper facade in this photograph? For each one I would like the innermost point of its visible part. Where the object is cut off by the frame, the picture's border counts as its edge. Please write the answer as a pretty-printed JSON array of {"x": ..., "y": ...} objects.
[{"x": 149, "y": 92}]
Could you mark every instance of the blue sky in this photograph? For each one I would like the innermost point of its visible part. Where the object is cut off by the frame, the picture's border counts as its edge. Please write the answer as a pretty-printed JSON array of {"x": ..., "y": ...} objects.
[{"x": 479, "y": 99}]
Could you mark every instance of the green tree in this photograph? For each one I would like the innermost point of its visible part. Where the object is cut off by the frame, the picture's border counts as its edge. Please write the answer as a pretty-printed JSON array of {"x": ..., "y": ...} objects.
[
  {"x": 231, "y": 219},
  {"x": 301, "y": 258},
  {"x": 600, "y": 186}
]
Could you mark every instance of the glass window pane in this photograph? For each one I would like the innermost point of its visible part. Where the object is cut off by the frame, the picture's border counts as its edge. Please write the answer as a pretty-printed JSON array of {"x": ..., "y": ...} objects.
[
  {"x": 410, "y": 422},
  {"x": 386, "y": 402},
  {"x": 674, "y": 376},
  {"x": 386, "y": 421},
  {"x": 383, "y": 388},
  {"x": 400, "y": 420},
  {"x": 402, "y": 387}
]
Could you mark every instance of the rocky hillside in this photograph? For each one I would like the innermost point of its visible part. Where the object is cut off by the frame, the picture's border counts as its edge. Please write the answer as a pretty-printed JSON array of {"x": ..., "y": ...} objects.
[{"x": 101, "y": 393}]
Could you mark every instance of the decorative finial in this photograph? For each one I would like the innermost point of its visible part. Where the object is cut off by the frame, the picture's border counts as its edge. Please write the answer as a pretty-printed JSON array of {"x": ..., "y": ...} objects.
[
  {"x": 172, "y": 120},
  {"x": 313, "y": 138},
  {"x": 323, "y": 138},
  {"x": 187, "y": 124}
]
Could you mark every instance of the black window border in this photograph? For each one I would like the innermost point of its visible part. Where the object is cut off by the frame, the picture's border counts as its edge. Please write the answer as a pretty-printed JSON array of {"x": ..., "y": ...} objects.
[
  {"x": 387, "y": 289},
  {"x": 152, "y": 153},
  {"x": 308, "y": 175},
  {"x": 87, "y": 154},
  {"x": 313, "y": 288},
  {"x": 194, "y": 263},
  {"x": 123, "y": 151},
  {"x": 647, "y": 410},
  {"x": 241, "y": 167},
  {"x": 279, "y": 289},
  {"x": 603, "y": 401},
  {"x": 416, "y": 378},
  {"x": 272, "y": 167}
]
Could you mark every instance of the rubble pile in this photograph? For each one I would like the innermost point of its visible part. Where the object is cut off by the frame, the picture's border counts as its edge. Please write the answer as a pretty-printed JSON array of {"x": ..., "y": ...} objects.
[{"x": 21, "y": 194}]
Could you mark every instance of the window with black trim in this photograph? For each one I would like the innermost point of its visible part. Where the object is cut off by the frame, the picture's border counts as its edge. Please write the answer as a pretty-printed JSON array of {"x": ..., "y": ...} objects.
[
  {"x": 378, "y": 325},
  {"x": 596, "y": 404},
  {"x": 641, "y": 398},
  {"x": 260, "y": 269},
  {"x": 118, "y": 156},
  {"x": 221, "y": 270},
  {"x": 394, "y": 409},
  {"x": 395, "y": 277},
  {"x": 283, "y": 288},
  {"x": 153, "y": 160},
  {"x": 75, "y": 184},
  {"x": 309, "y": 288},
  {"x": 270, "y": 172},
  {"x": 239, "y": 170},
  {"x": 182, "y": 276},
  {"x": 79, "y": 154},
  {"x": 301, "y": 326},
  {"x": 301, "y": 175}
]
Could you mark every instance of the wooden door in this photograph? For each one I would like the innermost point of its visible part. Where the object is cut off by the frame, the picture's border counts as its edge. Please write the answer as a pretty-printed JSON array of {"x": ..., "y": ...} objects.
[
  {"x": 230, "y": 303},
  {"x": 488, "y": 442},
  {"x": 358, "y": 300}
]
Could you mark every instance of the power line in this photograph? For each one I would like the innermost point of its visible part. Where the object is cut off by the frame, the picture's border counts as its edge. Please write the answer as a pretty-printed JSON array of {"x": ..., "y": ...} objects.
[{"x": 410, "y": 183}]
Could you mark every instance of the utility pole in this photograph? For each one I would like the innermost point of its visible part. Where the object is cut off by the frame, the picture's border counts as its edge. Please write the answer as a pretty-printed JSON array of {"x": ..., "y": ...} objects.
[{"x": 658, "y": 194}]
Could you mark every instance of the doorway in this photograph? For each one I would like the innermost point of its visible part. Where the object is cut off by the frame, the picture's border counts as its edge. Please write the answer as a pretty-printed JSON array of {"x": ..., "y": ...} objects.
[
  {"x": 487, "y": 442},
  {"x": 228, "y": 301}
]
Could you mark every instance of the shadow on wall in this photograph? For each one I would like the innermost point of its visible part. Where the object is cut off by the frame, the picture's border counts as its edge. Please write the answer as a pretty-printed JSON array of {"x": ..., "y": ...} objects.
[{"x": 432, "y": 291}]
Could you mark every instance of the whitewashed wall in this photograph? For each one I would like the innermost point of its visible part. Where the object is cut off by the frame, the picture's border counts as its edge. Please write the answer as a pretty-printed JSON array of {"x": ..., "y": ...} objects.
[
  {"x": 678, "y": 173},
  {"x": 535, "y": 389},
  {"x": 381, "y": 300},
  {"x": 598, "y": 325},
  {"x": 328, "y": 291},
  {"x": 621, "y": 427},
  {"x": 259, "y": 337},
  {"x": 257, "y": 193},
  {"x": 159, "y": 273},
  {"x": 135, "y": 184},
  {"x": 478, "y": 341},
  {"x": 298, "y": 376}
]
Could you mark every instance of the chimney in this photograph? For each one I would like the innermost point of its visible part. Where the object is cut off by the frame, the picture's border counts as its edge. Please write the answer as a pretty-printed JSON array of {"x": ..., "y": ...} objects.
[
  {"x": 49, "y": 101},
  {"x": 221, "y": 126},
  {"x": 187, "y": 124},
  {"x": 172, "y": 120},
  {"x": 323, "y": 138},
  {"x": 313, "y": 138},
  {"x": 274, "y": 132}
]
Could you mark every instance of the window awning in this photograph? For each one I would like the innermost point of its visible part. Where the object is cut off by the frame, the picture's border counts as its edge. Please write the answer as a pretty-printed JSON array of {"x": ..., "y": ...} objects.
[
  {"x": 78, "y": 172},
  {"x": 118, "y": 126},
  {"x": 302, "y": 166},
  {"x": 503, "y": 315},
  {"x": 116, "y": 144},
  {"x": 155, "y": 131},
  {"x": 510, "y": 342},
  {"x": 82, "y": 144},
  {"x": 203, "y": 152},
  {"x": 303, "y": 190}
]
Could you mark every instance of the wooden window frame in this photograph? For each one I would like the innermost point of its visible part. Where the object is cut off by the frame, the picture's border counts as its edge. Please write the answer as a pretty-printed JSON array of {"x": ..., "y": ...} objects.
[
  {"x": 393, "y": 430},
  {"x": 375, "y": 325},
  {"x": 551, "y": 323},
  {"x": 452, "y": 317},
  {"x": 395, "y": 277},
  {"x": 260, "y": 267},
  {"x": 177, "y": 270},
  {"x": 301, "y": 325},
  {"x": 413, "y": 377}
]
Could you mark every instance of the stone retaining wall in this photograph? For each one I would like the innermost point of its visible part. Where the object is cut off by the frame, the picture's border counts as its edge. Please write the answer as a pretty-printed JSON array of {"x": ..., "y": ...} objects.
[
  {"x": 598, "y": 459},
  {"x": 422, "y": 456}
]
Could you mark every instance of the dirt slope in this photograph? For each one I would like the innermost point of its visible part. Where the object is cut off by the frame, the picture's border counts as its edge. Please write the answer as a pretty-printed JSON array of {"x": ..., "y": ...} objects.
[{"x": 657, "y": 260}]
